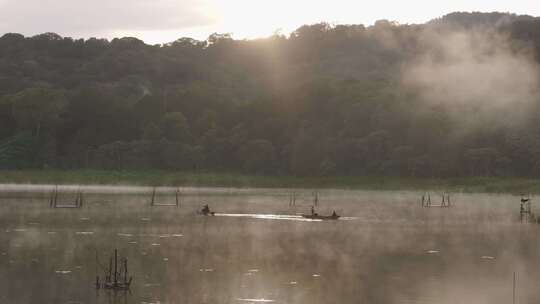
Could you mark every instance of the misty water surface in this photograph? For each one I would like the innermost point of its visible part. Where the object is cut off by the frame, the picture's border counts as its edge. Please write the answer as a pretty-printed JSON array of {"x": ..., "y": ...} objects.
[{"x": 387, "y": 250}]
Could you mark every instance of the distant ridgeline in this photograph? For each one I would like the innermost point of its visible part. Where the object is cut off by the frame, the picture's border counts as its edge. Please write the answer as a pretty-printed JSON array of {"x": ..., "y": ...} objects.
[{"x": 457, "y": 96}]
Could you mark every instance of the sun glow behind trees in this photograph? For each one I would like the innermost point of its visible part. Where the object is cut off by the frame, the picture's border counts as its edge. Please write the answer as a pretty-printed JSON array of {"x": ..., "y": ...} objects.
[
  {"x": 162, "y": 21},
  {"x": 248, "y": 19}
]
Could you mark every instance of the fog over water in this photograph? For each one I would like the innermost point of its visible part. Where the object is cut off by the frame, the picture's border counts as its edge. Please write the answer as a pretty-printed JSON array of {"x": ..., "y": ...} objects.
[{"x": 388, "y": 250}]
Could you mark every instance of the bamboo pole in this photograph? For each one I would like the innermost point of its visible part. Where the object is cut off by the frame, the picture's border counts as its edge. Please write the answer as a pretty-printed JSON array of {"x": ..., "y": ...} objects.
[
  {"x": 115, "y": 267},
  {"x": 51, "y": 196},
  {"x": 125, "y": 271},
  {"x": 514, "y": 290},
  {"x": 55, "y": 196},
  {"x": 110, "y": 269}
]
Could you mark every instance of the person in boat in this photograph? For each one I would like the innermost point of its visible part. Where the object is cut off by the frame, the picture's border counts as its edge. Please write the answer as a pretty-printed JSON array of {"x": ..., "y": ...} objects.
[
  {"x": 205, "y": 209},
  {"x": 334, "y": 214},
  {"x": 313, "y": 213}
]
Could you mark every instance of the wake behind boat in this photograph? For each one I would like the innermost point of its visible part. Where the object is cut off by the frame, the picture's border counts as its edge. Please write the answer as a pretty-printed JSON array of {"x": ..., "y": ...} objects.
[{"x": 205, "y": 211}]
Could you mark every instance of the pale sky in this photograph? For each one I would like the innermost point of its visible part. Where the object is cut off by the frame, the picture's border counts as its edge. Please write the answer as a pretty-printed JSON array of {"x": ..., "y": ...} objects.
[{"x": 161, "y": 21}]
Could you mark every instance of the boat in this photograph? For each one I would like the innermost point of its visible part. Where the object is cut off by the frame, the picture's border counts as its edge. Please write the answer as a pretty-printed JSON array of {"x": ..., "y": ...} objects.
[
  {"x": 321, "y": 217},
  {"x": 206, "y": 211},
  {"x": 315, "y": 216}
]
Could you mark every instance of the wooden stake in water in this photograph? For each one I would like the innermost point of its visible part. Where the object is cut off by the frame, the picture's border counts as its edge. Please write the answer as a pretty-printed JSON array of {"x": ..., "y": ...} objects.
[
  {"x": 115, "y": 267},
  {"x": 514, "y": 290}
]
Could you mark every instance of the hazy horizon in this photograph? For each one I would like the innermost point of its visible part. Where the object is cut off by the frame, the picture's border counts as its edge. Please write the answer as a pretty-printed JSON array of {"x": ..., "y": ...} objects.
[{"x": 165, "y": 21}]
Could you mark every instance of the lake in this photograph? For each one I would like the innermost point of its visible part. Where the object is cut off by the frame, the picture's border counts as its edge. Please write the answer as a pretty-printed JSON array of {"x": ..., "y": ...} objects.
[{"x": 257, "y": 249}]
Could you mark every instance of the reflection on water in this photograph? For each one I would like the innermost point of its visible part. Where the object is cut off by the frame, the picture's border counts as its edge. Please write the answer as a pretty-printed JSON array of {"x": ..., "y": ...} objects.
[
  {"x": 256, "y": 300},
  {"x": 257, "y": 249},
  {"x": 63, "y": 271}
]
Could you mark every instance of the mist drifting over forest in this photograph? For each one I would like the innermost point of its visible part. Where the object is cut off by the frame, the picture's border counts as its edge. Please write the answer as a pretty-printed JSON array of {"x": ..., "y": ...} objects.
[{"x": 457, "y": 96}]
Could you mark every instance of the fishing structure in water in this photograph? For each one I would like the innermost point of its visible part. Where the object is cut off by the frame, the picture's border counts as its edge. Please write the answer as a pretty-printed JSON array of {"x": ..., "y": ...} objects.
[
  {"x": 116, "y": 276},
  {"x": 154, "y": 203},
  {"x": 53, "y": 200},
  {"x": 445, "y": 201},
  {"x": 292, "y": 199},
  {"x": 525, "y": 209}
]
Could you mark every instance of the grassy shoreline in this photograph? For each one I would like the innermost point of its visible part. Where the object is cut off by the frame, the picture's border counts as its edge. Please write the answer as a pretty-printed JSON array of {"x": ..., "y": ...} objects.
[{"x": 169, "y": 178}]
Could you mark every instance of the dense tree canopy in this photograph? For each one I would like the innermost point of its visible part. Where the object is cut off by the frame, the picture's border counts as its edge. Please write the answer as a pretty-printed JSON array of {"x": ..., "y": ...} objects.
[{"x": 327, "y": 100}]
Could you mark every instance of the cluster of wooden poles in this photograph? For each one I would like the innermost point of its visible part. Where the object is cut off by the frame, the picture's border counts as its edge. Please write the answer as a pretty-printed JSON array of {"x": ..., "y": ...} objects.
[
  {"x": 53, "y": 200},
  {"x": 445, "y": 201},
  {"x": 176, "y": 204},
  {"x": 116, "y": 277},
  {"x": 293, "y": 197}
]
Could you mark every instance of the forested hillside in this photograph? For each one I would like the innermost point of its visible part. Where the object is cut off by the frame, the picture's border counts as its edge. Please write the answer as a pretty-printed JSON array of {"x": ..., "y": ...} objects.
[{"x": 457, "y": 96}]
